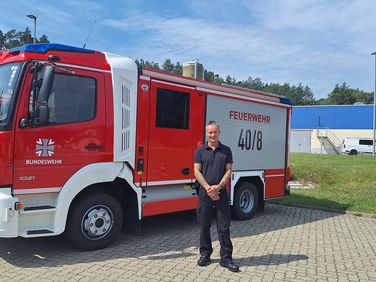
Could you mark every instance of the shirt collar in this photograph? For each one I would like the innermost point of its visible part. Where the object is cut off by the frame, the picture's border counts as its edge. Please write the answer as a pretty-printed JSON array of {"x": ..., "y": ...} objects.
[{"x": 207, "y": 147}]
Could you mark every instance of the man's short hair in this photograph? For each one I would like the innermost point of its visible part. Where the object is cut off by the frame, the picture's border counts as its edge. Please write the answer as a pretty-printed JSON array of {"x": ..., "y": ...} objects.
[{"x": 213, "y": 122}]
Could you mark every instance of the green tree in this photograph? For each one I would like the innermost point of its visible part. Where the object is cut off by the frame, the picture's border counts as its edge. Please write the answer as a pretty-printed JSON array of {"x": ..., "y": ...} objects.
[
  {"x": 2, "y": 39},
  {"x": 362, "y": 96},
  {"x": 168, "y": 66},
  {"x": 253, "y": 83},
  {"x": 14, "y": 38},
  {"x": 212, "y": 77},
  {"x": 11, "y": 39},
  {"x": 309, "y": 97},
  {"x": 321, "y": 101},
  {"x": 178, "y": 69},
  {"x": 299, "y": 94},
  {"x": 208, "y": 75},
  {"x": 218, "y": 79},
  {"x": 345, "y": 95},
  {"x": 230, "y": 80},
  {"x": 147, "y": 64},
  {"x": 25, "y": 37},
  {"x": 43, "y": 39},
  {"x": 341, "y": 95}
]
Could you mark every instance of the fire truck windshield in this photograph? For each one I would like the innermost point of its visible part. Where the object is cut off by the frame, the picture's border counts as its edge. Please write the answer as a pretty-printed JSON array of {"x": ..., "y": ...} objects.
[{"x": 8, "y": 79}]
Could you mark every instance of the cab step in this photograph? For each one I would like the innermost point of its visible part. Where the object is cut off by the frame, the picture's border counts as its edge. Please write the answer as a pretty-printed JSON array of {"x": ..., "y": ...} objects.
[
  {"x": 38, "y": 209},
  {"x": 39, "y": 232}
]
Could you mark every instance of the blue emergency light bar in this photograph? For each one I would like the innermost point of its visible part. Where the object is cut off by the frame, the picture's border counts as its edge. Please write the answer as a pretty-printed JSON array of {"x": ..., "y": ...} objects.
[
  {"x": 45, "y": 47},
  {"x": 284, "y": 100}
]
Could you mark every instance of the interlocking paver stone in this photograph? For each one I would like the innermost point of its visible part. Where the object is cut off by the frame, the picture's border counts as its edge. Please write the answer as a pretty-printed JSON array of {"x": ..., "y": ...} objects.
[{"x": 280, "y": 244}]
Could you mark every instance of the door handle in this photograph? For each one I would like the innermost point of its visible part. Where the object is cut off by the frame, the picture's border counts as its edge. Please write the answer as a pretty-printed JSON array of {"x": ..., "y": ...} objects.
[
  {"x": 185, "y": 171},
  {"x": 93, "y": 146}
]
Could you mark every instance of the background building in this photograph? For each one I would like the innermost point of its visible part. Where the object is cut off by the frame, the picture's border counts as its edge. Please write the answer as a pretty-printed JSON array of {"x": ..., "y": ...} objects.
[{"x": 321, "y": 129}]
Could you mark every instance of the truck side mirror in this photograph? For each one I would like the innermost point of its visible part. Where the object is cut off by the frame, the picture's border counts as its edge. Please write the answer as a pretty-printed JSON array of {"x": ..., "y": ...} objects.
[
  {"x": 47, "y": 81},
  {"x": 43, "y": 114},
  {"x": 44, "y": 93}
]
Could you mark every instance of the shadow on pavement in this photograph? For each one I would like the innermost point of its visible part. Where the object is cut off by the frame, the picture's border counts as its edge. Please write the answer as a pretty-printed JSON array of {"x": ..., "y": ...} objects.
[
  {"x": 308, "y": 201},
  {"x": 271, "y": 259},
  {"x": 170, "y": 236}
]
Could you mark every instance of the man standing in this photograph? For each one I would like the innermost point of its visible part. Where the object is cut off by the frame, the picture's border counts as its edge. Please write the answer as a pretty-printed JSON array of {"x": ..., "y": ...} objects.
[{"x": 213, "y": 167}]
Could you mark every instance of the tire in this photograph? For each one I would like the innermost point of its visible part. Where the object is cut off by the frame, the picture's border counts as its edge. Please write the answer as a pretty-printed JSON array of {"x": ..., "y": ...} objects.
[
  {"x": 94, "y": 221},
  {"x": 246, "y": 201},
  {"x": 353, "y": 152}
]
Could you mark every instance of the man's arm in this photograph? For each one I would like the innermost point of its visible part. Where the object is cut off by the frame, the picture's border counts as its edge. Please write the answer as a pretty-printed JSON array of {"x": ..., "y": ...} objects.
[
  {"x": 227, "y": 175},
  {"x": 224, "y": 180},
  {"x": 200, "y": 178}
]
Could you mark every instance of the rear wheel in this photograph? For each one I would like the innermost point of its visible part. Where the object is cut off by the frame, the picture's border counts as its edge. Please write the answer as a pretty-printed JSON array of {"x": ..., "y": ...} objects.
[
  {"x": 95, "y": 221},
  {"x": 246, "y": 201},
  {"x": 353, "y": 152}
]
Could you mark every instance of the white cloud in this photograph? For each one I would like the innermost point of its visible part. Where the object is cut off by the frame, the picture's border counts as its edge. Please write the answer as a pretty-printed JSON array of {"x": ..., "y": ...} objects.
[
  {"x": 234, "y": 49},
  {"x": 316, "y": 42},
  {"x": 180, "y": 36},
  {"x": 314, "y": 15}
]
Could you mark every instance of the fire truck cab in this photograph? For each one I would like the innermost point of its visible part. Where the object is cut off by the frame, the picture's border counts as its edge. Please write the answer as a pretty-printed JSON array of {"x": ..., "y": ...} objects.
[{"x": 90, "y": 143}]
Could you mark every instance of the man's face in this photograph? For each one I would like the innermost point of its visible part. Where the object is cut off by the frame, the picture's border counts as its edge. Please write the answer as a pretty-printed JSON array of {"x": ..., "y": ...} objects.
[{"x": 212, "y": 133}]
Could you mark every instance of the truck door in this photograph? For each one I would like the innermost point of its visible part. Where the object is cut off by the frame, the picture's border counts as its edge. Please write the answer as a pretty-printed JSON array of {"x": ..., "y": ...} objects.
[
  {"x": 171, "y": 141},
  {"x": 46, "y": 156}
]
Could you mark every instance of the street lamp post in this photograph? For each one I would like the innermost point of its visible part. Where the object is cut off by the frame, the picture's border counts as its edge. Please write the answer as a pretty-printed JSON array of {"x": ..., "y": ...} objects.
[
  {"x": 34, "y": 18},
  {"x": 374, "y": 111}
]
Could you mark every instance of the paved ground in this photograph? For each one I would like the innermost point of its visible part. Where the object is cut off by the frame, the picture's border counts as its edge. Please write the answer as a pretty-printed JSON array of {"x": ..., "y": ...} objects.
[{"x": 281, "y": 244}]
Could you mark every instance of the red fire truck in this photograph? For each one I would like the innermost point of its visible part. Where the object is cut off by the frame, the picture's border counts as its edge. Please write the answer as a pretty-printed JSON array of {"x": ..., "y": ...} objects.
[{"x": 90, "y": 143}]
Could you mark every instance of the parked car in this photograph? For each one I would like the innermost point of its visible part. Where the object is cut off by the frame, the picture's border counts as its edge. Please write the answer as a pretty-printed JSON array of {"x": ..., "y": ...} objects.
[{"x": 354, "y": 146}]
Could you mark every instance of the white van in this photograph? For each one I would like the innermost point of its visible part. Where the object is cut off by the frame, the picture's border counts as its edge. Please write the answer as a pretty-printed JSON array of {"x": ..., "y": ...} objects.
[{"x": 354, "y": 146}]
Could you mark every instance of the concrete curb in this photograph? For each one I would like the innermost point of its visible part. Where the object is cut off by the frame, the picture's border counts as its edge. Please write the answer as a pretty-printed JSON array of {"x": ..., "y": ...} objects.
[
  {"x": 302, "y": 185},
  {"x": 360, "y": 214}
]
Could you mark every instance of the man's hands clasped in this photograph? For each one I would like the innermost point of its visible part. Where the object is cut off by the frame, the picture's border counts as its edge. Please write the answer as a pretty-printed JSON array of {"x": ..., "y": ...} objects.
[{"x": 214, "y": 191}]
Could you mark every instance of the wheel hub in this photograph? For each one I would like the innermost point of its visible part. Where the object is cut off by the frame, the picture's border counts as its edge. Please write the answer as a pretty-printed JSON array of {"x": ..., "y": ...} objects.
[
  {"x": 246, "y": 201},
  {"x": 97, "y": 222}
]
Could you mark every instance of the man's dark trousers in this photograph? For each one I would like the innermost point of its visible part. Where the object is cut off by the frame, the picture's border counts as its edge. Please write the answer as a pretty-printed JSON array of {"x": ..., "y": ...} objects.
[{"x": 206, "y": 209}]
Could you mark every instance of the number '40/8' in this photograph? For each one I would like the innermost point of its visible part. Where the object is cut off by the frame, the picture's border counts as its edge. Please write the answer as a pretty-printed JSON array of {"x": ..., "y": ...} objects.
[{"x": 250, "y": 139}]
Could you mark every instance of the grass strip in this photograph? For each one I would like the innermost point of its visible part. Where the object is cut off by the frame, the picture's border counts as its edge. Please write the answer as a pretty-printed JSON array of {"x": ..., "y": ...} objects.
[{"x": 342, "y": 182}]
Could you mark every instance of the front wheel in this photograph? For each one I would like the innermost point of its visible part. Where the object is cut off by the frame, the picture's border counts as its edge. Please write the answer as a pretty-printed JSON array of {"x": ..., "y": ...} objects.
[
  {"x": 94, "y": 221},
  {"x": 246, "y": 201}
]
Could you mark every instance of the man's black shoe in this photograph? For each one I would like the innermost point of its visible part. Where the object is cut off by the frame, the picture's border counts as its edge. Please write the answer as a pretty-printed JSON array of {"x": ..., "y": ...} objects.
[
  {"x": 230, "y": 266},
  {"x": 203, "y": 261}
]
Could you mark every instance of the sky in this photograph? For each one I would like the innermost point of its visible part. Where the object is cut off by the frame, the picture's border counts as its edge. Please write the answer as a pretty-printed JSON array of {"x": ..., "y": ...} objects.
[{"x": 318, "y": 43}]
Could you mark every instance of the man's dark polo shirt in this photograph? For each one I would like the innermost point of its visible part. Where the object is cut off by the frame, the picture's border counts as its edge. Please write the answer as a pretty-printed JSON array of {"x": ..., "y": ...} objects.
[{"x": 213, "y": 162}]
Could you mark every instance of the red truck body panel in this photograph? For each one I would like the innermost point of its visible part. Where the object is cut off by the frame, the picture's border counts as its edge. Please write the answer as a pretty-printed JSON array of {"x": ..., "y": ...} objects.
[{"x": 42, "y": 159}]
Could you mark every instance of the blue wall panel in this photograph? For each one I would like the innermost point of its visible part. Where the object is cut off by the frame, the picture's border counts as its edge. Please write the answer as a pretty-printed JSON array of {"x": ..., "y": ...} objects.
[{"x": 334, "y": 117}]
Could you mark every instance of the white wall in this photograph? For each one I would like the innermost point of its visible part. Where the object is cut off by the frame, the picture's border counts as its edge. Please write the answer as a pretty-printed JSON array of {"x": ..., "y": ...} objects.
[{"x": 336, "y": 136}]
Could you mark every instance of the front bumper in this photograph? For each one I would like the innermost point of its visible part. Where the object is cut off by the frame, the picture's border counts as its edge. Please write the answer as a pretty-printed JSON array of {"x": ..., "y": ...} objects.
[{"x": 8, "y": 214}]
